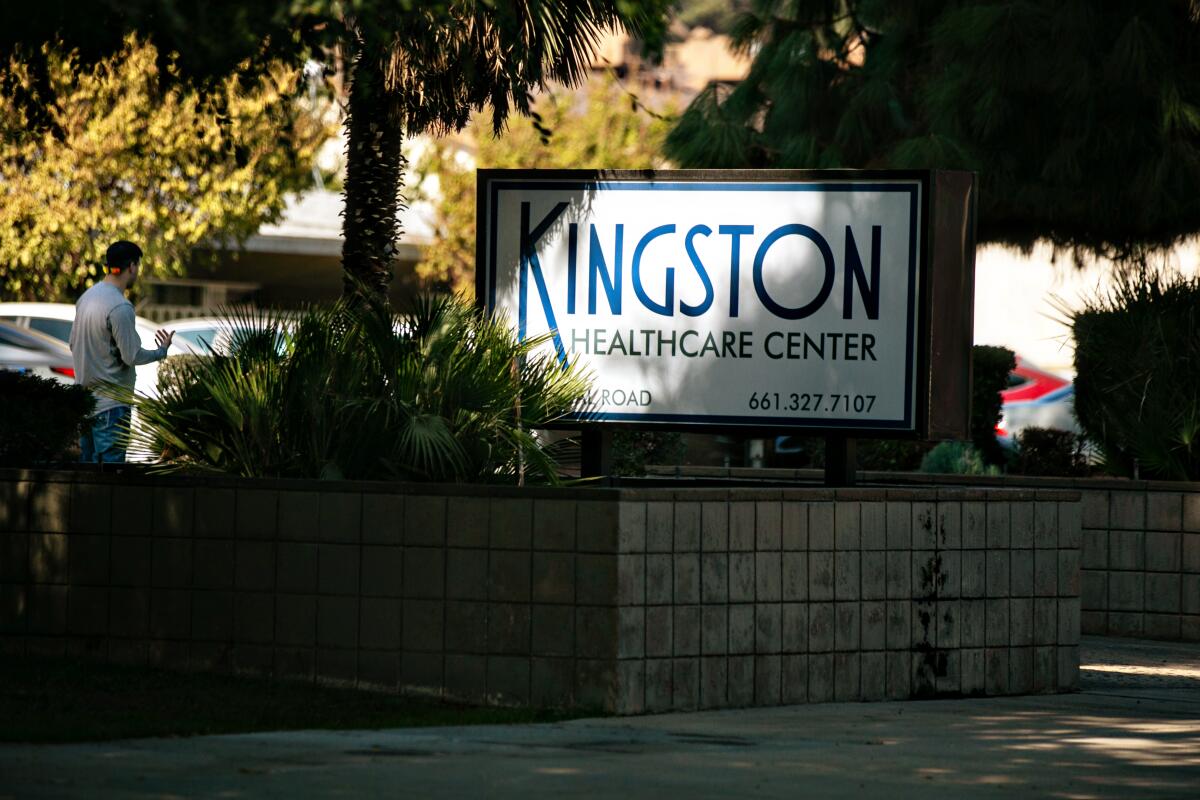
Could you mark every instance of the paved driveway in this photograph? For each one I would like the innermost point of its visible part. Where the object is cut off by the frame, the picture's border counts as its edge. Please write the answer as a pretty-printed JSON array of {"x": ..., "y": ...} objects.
[{"x": 1133, "y": 731}]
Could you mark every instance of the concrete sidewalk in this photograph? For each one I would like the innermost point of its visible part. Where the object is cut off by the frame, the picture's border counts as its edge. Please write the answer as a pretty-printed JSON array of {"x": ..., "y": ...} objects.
[{"x": 1133, "y": 731}]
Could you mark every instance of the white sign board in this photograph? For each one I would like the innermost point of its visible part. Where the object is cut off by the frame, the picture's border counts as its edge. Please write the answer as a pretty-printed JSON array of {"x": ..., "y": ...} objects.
[{"x": 735, "y": 302}]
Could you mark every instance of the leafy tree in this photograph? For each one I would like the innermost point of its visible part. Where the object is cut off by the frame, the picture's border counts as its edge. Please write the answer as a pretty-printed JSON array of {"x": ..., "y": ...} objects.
[
  {"x": 717, "y": 15},
  {"x": 206, "y": 40},
  {"x": 605, "y": 130},
  {"x": 1082, "y": 118},
  {"x": 135, "y": 154},
  {"x": 411, "y": 67}
]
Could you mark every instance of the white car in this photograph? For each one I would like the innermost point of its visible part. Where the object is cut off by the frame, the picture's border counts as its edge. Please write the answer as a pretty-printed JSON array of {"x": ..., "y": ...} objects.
[
  {"x": 25, "y": 350},
  {"x": 206, "y": 335},
  {"x": 56, "y": 319},
  {"x": 201, "y": 335}
]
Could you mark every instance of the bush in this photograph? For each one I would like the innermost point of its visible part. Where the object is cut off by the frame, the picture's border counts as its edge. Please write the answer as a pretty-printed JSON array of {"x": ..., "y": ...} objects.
[
  {"x": 442, "y": 394},
  {"x": 176, "y": 371},
  {"x": 990, "y": 367},
  {"x": 957, "y": 458},
  {"x": 891, "y": 455},
  {"x": 634, "y": 450},
  {"x": 42, "y": 418},
  {"x": 1137, "y": 384},
  {"x": 1049, "y": 452}
]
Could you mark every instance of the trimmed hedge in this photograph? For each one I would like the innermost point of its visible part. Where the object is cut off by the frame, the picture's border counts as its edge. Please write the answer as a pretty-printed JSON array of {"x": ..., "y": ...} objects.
[
  {"x": 42, "y": 418},
  {"x": 989, "y": 376},
  {"x": 1049, "y": 452}
]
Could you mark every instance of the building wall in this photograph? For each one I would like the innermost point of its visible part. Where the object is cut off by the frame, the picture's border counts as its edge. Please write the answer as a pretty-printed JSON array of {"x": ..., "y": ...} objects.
[{"x": 626, "y": 600}]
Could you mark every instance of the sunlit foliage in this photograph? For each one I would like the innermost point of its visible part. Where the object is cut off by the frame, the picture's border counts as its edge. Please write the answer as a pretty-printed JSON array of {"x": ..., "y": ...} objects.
[
  {"x": 602, "y": 127},
  {"x": 132, "y": 153}
]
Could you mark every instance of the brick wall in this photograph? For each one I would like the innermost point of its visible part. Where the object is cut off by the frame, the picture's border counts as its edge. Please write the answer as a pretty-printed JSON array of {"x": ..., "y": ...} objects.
[{"x": 629, "y": 600}]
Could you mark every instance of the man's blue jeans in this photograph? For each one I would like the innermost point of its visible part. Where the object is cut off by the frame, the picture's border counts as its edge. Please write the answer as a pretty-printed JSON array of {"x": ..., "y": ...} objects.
[{"x": 99, "y": 444}]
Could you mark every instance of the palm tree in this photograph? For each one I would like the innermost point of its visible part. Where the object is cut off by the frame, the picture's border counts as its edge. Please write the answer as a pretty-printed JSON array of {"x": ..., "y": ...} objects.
[{"x": 427, "y": 69}]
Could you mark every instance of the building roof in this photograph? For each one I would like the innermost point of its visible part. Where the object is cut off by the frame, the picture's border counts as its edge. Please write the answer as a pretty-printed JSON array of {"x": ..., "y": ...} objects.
[
  {"x": 688, "y": 66},
  {"x": 312, "y": 225}
]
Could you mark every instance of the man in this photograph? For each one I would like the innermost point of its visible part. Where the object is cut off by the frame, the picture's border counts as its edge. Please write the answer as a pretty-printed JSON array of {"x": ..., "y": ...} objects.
[{"x": 105, "y": 348}]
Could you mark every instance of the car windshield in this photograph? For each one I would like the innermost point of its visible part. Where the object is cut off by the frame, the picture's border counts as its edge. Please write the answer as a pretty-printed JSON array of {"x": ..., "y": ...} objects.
[
  {"x": 225, "y": 336},
  {"x": 199, "y": 337}
]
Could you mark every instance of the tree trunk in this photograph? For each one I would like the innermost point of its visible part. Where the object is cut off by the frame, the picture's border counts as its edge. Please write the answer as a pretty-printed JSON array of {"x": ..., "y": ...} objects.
[{"x": 374, "y": 176}]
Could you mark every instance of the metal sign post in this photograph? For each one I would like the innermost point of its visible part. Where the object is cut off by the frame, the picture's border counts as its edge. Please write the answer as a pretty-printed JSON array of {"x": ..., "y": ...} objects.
[
  {"x": 840, "y": 462},
  {"x": 595, "y": 452}
]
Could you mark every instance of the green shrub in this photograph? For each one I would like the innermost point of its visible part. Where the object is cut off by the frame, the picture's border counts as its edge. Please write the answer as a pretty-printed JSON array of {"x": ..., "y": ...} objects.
[
  {"x": 891, "y": 455},
  {"x": 1049, "y": 452},
  {"x": 881, "y": 455},
  {"x": 957, "y": 458},
  {"x": 990, "y": 367},
  {"x": 442, "y": 393},
  {"x": 634, "y": 450},
  {"x": 42, "y": 418},
  {"x": 1137, "y": 384},
  {"x": 176, "y": 371}
]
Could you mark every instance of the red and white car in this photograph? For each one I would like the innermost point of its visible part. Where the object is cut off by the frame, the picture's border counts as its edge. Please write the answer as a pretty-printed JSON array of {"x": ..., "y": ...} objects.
[{"x": 1035, "y": 399}]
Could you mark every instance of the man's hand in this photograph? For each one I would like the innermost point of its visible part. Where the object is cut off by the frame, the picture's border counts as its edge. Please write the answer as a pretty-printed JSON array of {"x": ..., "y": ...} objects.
[{"x": 163, "y": 338}]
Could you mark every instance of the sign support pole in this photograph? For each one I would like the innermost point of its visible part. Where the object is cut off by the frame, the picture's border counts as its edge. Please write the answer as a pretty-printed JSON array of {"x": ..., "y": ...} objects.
[
  {"x": 595, "y": 452},
  {"x": 840, "y": 460}
]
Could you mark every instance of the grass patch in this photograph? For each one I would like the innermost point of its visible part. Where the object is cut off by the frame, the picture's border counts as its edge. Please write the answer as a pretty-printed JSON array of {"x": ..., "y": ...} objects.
[{"x": 75, "y": 700}]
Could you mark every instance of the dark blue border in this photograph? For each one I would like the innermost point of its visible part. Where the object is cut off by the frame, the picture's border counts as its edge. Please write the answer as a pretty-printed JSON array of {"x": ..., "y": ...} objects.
[
  {"x": 716, "y": 419},
  {"x": 906, "y": 424}
]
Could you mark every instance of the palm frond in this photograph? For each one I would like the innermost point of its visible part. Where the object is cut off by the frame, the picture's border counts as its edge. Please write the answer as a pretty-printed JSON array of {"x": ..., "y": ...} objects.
[{"x": 355, "y": 392}]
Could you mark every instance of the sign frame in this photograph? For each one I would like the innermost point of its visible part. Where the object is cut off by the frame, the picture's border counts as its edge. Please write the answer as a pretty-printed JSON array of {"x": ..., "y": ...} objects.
[{"x": 931, "y": 235}]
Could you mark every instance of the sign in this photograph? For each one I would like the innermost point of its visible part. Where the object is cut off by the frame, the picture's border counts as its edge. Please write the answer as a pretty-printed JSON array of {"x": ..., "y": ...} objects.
[{"x": 775, "y": 299}]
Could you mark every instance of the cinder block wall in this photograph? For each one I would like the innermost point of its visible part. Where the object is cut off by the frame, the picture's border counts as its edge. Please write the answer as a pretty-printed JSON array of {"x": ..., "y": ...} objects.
[
  {"x": 740, "y": 597},
  {"x": 1140, "y": 547},
  {"x": 1141, "y": 561},
  {"x": 462, "y": 591},
  {"x": 628, "y": 600}
]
